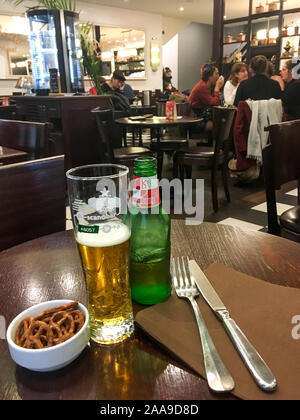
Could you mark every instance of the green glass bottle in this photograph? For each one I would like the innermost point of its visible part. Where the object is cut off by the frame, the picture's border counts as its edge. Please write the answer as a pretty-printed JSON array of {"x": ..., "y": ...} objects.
[{"x": 150, "y": 237}]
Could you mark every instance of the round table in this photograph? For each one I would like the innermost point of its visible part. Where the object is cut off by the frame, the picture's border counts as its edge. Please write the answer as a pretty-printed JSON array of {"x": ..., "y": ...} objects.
[
  {"x": 157, "y": 123},
  {"x": 49, "y": 268}
]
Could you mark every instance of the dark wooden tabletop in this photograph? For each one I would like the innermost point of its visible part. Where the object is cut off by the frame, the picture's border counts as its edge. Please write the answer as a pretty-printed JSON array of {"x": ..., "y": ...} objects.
[
  {"x": 8, "y": 155},
  {"x": 157, "y": 122},
  {"x": 49, "y": 268}
]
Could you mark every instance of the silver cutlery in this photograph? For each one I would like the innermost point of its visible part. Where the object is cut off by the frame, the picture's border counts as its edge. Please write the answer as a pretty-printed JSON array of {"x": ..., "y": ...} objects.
[
  {"x": 218, "y": 377},
  {"x": 254, "y": 362}
]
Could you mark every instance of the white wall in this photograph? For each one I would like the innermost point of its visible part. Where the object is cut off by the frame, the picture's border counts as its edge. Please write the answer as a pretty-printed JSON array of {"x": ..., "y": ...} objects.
[
  {"x": 171, "y": 27},
  {"x": 170, "y": 58},
  {"x": 111, "y": 16}
]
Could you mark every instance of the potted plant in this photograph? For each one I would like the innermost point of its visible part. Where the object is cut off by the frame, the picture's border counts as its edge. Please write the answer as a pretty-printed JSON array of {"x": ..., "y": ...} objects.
[{"x": 91, "y": 56}]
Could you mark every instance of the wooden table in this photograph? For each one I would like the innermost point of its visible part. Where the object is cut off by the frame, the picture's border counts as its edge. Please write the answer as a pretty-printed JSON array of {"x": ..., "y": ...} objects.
[
  {"x": 49, "y": 268},
  {"x": 8, "y": 155},
  {"x": 157, "y": 123}
]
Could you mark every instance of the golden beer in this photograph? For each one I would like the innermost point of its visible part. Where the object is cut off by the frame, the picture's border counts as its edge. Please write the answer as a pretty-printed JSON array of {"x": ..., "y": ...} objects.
[{"x": 105, "y": 260}]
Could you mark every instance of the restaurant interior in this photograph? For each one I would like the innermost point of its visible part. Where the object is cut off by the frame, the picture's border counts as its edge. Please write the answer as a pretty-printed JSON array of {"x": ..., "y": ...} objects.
[{"x": 190, "y": 111}]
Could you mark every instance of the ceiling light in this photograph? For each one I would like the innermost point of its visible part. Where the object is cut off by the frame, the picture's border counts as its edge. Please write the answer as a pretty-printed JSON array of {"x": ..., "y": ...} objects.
[{"x": 181, "y": 9}]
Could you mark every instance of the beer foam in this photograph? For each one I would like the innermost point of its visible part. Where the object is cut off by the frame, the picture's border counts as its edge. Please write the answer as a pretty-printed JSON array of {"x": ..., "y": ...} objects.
[{"x": 110, "y": 234}]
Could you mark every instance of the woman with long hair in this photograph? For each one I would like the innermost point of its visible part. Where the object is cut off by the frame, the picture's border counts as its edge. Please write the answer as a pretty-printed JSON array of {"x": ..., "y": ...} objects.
[
  {"x": 259, "y": 86},
  {"x": 239, "y": 72},
  {"x": 206, "y": 94}
]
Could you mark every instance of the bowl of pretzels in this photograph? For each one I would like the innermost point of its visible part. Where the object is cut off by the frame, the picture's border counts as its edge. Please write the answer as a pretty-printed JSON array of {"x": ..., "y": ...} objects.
[{"x": 49, "y": 336}]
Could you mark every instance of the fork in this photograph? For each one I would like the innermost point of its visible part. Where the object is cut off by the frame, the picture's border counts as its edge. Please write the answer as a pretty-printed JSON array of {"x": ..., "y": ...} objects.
[{"x": 218, "y": 377}]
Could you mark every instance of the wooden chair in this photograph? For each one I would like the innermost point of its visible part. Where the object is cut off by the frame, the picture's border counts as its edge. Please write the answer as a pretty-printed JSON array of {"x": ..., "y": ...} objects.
[
  {"x": 281, "y": 163},
  {"x": 30, "y": 137},
  {"x": 32, "y": 197},
  {"x": 212, "y": 158},
  {"x": 110, "y": 140}
]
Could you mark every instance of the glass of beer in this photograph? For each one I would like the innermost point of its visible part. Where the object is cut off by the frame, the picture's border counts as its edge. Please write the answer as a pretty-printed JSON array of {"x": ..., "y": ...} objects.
[{"x": 98, "y": 202}]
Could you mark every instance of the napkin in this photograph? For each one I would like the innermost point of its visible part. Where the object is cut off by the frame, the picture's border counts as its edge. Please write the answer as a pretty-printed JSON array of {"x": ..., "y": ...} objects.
[{"x": 264, "y": 312}]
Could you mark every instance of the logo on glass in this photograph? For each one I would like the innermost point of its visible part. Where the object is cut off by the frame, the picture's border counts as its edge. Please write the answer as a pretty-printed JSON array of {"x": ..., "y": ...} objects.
[{"x": 97, "y": 209}]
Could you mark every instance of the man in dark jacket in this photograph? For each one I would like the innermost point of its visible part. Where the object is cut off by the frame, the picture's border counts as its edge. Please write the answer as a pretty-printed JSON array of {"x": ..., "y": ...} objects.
[
  {"x": 112, "y": 87},
  {"x": 260, "y": 86}
]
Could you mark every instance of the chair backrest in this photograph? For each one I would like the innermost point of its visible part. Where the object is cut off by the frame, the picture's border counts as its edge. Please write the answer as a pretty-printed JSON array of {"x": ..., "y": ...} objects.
[
  {"x": 81, "y": 138},
  {"x": 223, "y": 119},
  {"x": 32, "y": 197},
  {"x": 110, "y": 135},
  {"x": 30, "y": 137},
  {"x": 284, "y": 152},
  {"x": 184, "y": 109},
  {"x": 281, "y": 163}
]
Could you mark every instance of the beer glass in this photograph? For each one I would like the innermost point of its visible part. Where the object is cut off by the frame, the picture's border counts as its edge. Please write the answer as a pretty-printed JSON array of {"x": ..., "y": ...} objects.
[{"x": 98, "y": 203}]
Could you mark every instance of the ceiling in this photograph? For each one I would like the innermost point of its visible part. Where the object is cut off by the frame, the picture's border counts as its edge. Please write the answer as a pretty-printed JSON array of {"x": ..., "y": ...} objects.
[{"x": 194, "y": 10}]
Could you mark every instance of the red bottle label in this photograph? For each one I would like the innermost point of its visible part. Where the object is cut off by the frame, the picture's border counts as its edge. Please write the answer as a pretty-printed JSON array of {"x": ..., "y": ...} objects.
[{"x": 145, "y": 192}]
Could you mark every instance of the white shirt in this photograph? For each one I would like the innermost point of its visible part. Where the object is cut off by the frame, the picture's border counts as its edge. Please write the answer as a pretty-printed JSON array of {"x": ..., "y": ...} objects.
[{"x": 229, "y": 93}]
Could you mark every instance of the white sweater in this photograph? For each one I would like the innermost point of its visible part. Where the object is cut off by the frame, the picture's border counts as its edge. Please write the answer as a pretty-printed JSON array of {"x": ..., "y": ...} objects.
[
  {"x": 229, "y": 93},
  {"x": 264, "y": 113}
]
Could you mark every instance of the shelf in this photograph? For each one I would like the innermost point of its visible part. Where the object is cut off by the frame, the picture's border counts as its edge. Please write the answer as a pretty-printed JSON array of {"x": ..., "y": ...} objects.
[
  {"x": 269, "y": 46},
  {"x": 255, "y": 22},
  {"x": 288, "y": 36},
  {"x": 234, "y": 42},
  {"x": 264, "y": 15},
  {"x": 128, "y": 62},
  {"x": 133, "y": 71}
]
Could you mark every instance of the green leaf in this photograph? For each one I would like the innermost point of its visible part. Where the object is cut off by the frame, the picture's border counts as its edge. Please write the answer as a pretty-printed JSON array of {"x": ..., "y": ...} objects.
[{"x": 69, "y": 5}]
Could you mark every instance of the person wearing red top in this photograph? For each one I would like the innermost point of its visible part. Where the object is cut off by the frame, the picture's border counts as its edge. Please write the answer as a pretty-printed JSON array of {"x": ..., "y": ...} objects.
[{"x": 206, "y": 94}]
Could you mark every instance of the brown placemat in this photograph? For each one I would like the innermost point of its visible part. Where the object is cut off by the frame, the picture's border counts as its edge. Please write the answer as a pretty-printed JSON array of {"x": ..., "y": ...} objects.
[{"x": 263, "y": 311}]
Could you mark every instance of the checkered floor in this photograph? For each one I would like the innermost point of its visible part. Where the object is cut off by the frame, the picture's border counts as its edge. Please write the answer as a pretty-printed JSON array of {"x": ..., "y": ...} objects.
[{"x": 255, "y": 216}]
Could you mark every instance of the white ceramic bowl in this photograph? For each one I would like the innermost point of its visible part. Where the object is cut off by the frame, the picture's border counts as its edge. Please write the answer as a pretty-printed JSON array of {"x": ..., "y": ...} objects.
[{"x": 52, "y": 358}]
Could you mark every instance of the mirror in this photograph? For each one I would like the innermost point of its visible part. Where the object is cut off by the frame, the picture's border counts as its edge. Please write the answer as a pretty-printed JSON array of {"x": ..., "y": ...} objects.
[
  {"x": 121, "y": 49},
  {"x": 14, "y": 46}
]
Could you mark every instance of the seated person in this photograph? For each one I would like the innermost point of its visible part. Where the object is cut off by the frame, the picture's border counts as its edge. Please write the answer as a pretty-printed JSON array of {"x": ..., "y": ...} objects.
[
  {"x": 113, "y": 86},
  {"x": 167, "y": 76},
  {"x": 168, "y": 90},
  {"x": 127, "y": 91},
  {"x": 291, "y": 90},
  {"x": 259, "y": 86},
  {"x": 206, "y": 94},
  {"x": 239, "y": 72},
  {"x": 249, "y": 135}
]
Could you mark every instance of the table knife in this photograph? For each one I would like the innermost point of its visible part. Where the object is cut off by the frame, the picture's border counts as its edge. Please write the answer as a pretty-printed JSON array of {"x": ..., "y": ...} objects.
[{"x": 254, "y": 362}]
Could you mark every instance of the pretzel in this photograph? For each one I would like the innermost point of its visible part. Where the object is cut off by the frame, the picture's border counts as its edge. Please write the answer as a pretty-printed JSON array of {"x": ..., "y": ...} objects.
[
  {"x": 22, "y": 331},
  {"x": 51, "y": 327},
  {"x": 66, "y": 307},
  {"x": 39, "y": 336}
]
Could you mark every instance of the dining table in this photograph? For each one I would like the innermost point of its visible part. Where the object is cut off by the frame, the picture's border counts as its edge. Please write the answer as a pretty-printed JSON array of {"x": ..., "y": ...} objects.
[
  {"x": 156, "y": 124},
  {"x": 8, "y": 155},
  {"x": 139, "y": 368}
]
